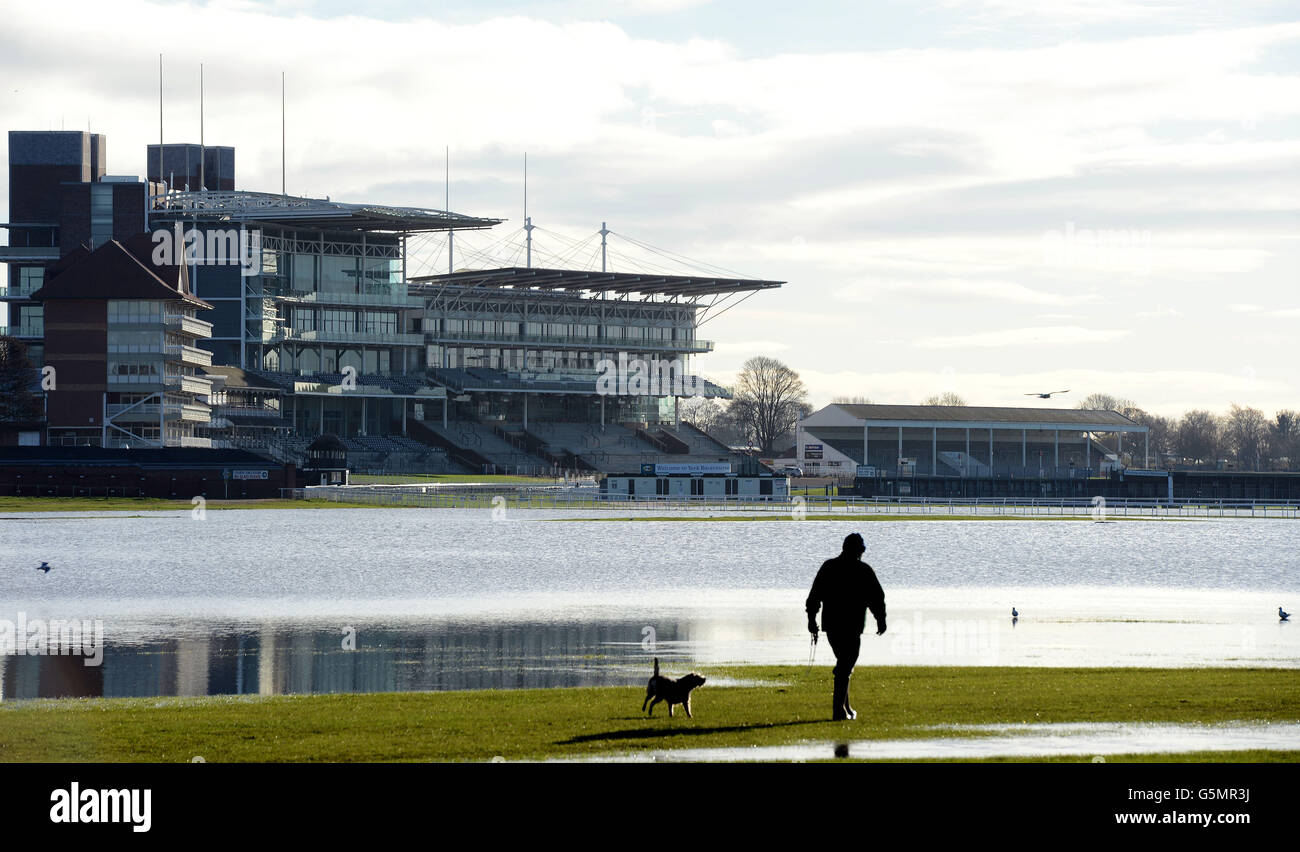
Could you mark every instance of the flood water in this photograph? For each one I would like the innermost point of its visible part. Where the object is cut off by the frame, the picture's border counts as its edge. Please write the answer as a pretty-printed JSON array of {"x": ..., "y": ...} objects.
[
  {"x": 1092, "y": 742},
  {"x": 278, "y": 601}
]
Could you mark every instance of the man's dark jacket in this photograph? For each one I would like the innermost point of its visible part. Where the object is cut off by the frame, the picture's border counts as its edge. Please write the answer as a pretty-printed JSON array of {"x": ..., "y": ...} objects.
[{"x": 847, "y": 587}]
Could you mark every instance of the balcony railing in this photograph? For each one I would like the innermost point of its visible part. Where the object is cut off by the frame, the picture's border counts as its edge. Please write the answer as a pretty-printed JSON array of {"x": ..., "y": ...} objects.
[
  {"x": 118, "y": 379},
  {"x": 294, "y": 335},
  {"x": 188, "y": 325},
  {"x": 563, "y": 341},
  {"x": 190, "y": 384},
  {"x": 190, "y": 355},
  {"x": 133, "y": 411},
  {"x": 19, "y": 253},
  {"x": 187, "y": 411},
  {"x": 21, "y": 290},
  {"x": 313, "y": 297},
  {"x": 34, "y": 329},
  {"x": 247, "y": 411}
]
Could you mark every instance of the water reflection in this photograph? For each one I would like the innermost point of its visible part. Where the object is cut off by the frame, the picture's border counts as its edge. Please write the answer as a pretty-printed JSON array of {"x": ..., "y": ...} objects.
[{"x": 280, "y": 659}]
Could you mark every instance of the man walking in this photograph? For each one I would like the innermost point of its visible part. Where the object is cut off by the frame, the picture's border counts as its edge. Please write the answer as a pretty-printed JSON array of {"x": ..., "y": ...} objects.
[{"x": 844, "y": 589}]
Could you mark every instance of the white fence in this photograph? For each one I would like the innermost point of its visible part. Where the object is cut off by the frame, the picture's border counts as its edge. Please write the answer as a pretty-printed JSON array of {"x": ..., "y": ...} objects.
[{"x": 483, "y": 496}]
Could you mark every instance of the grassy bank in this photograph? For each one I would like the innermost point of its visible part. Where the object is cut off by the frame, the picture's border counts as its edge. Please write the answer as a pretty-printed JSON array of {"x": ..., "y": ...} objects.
[{"x": 789, "y": 705}]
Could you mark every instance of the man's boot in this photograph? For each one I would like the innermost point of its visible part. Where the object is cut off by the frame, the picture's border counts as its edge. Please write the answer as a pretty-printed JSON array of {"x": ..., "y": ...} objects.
[{"x": 838, "y": 700}]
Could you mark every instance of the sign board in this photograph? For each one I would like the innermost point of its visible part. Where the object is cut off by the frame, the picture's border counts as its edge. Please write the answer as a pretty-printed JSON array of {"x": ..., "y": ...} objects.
[
  {"x": 250, "y": 474},
  {"x": 688, "y": 467},
  {"x": 812, "y": 451},
  {"x": 866, "y": 470}
]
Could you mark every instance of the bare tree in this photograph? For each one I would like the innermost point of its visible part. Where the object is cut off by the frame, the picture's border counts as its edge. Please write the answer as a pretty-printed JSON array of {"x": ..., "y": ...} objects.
[
  {"x": 1199, "y": 436},
  {"x": 771, "y": 397},
  {"x": 702, "y": 413},
  {"x": 850, "y": 400},
  {"x": 18, "y": 402},
  {"x": 1245, "y": 431},
  {"x": 1162, "y": 432},
  {"x": 945, "y": 398},
  {"x": 1105, "y": 402},
  {"x": 1284, "y": 440}
]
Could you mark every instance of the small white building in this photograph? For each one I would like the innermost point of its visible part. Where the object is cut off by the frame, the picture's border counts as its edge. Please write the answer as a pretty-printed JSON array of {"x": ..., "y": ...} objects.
[{"x": 700, "y": 481}]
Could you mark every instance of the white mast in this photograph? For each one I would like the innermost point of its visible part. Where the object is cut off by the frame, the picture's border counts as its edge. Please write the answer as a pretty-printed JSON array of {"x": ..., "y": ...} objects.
[
  {"x": 203, "y": 181},
  {"x": 603, "y": 232},
  {"x": 451, "y": 235},
  {"x": 283, "y": 190},
  {"x": 528, "y": 222}
]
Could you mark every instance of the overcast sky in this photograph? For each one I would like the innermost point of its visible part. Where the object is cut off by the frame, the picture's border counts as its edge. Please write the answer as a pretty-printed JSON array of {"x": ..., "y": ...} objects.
[{"x": 988, "y": 197}]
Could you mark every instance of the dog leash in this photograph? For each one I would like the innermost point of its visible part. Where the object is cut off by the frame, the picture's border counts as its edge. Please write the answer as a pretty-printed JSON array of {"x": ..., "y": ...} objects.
[{"x": 812, "y": 651}]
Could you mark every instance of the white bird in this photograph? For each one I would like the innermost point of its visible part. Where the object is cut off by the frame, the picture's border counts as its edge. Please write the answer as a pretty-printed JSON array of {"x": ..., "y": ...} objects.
[{"x": 1047, "y": 395}]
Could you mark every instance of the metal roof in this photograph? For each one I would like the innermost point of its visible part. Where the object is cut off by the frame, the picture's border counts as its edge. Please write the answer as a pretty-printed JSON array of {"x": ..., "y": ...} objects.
[
  {"x": 1096, "y": 420},
  {"x": 315, "y": 213},
  {"x": 597, "y": 282}
]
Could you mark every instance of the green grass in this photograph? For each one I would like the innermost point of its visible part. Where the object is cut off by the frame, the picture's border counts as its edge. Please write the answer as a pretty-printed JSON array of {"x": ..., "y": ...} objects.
[
  {"x": 153, "y": 504},
  {"x": 790, "y": 706}
]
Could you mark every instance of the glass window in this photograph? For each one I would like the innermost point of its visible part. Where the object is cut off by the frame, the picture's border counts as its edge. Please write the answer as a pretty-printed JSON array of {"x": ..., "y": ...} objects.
[
  {"x": 339, "y": 321},
  {"x": 381, "y": 322},
  {"x": 134, "y": 311},
  {"x": 338, "y": 274},
  {"x": 101, "y": 214},
  {"x": 30, "y": 279},
  {"x": 382, "y": 276},
  {"x": 304, "y": 272}
]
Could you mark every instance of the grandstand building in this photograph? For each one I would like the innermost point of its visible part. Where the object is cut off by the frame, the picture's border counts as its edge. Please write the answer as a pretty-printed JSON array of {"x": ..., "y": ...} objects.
[
  {"x": 312, "y": 326},
  {"x": 939, "y": 450}
]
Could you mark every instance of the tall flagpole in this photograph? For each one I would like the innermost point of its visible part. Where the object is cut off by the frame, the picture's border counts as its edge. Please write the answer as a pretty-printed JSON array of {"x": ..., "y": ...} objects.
[
  {"x": 283, "y": 190},
  {"x": 203, "y": 180},
  {"x": 451, "y": 235}
]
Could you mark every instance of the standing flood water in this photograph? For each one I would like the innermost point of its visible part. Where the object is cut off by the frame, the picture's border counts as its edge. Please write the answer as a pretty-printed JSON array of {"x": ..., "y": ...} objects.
[{"x": 378, "y": 600}]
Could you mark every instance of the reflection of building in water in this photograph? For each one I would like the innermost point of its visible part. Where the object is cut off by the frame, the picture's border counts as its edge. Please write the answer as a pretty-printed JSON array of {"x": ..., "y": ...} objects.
[
  {"x": 276, "y": 660},
  {"x": 192, "y": 667}
]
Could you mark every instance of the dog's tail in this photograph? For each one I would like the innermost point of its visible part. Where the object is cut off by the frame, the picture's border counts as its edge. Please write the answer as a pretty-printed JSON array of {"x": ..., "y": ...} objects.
[{"x": 656, "y": 667}]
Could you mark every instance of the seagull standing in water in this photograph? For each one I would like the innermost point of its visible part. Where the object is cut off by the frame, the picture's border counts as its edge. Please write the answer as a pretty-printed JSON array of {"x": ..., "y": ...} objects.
[
  {"x": 1014, "y": 613},
  {"x": 1282, "y": 615}
]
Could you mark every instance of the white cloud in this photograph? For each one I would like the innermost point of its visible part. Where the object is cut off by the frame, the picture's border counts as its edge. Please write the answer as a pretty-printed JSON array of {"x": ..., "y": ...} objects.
[
  {"x": 1058, "y": 335},
  {"x": 919, "y": 179},
  {"x": 964, "y": 289}
]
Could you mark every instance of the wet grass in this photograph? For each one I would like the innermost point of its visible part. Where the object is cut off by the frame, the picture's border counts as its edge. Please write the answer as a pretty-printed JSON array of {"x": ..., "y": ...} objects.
[{"x": 786, "y": 705}]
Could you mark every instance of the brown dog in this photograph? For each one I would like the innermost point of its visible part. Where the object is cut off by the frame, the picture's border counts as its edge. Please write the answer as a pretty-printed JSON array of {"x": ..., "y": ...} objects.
[{"x": 671, "y": 691}]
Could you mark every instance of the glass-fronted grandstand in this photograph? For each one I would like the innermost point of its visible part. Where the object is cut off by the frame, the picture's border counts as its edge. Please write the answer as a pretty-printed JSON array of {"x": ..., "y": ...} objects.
[{"x": 317, "y": 325}]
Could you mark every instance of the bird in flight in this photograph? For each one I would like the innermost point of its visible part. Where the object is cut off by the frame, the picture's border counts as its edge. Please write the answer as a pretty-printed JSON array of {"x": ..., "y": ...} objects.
[
  {"x": 1048, "y": 395},
  {"x": 45, "y": 566},
  {"x": 1282, "y": 615}
]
